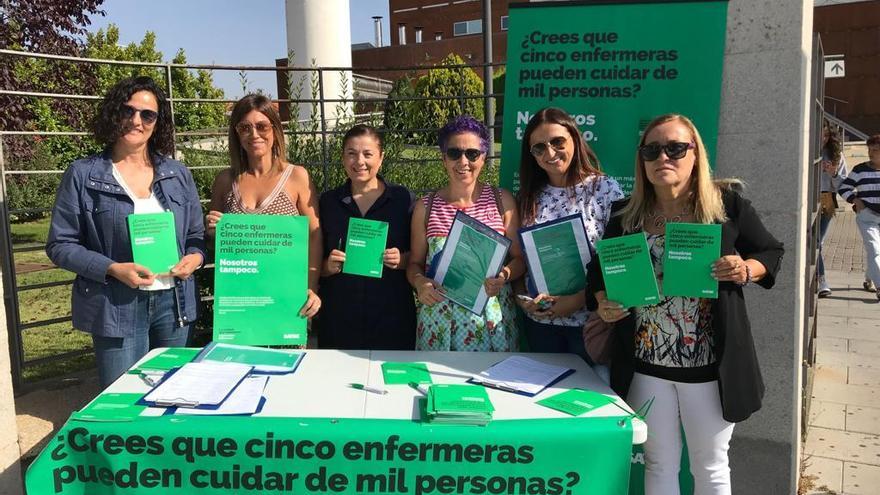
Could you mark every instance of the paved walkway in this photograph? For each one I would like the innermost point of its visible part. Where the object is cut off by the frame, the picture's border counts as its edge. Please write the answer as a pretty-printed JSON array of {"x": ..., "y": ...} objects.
[{"x": 842, "y": 450}]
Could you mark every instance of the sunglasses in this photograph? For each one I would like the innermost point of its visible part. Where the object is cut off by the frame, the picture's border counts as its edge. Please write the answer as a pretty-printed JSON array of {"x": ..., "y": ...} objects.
[
  {"x": 147, "y": 116},
  {"x": 245, "y": 128},
  {"x": 673, "y": 150},
  {"x": 557, "y": 143},
  {"x": 471, "y": 153}
]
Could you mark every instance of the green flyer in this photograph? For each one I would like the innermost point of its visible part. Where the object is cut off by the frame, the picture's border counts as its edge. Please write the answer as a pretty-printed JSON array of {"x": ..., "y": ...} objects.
[
  {"x": 627, "y": 270},
  {"x": 172, "y": 357},
  {"x": 603, "y": 62},
  {"x": 576, "y": 401},
  {"x": 690, "y": 250},
  {"x": 364, "y": 247},
  {"x": 557, "y": 254},
  {"x": 472, "y": 253},
  {"x": 154, "y": 241},
  {"x": 396, "y": 373},
  {"x": 262, "y": 359},
  {"x": 111, "y": 407},
  {"x": 261, "y": 279}
]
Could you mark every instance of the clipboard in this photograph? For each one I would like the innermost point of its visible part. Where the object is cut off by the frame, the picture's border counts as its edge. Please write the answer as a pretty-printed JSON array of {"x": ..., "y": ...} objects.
[
  {"x": 579, "y": 234},
  {"x": 258, "y": 368},
  {"x": 502, "y": 386},
  {"x": 241, "y": 373}
]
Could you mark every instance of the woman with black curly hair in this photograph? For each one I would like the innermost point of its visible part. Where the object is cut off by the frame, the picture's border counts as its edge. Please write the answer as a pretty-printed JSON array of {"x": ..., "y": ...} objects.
[{"x": 127, "y": 308}]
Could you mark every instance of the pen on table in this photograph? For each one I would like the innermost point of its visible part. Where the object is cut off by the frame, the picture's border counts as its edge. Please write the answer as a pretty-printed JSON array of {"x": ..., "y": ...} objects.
[
  {"x": 151, "y": 378},
  {"x": 421, "y": 388},
  {"x": 367, "y": 388}
]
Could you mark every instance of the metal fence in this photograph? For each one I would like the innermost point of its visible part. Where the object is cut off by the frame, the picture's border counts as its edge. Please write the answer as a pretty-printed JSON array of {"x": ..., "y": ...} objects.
[{"x": 321, "y": 131}]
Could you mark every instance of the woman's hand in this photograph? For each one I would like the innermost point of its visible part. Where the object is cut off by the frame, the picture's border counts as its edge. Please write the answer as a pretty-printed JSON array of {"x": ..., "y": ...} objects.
[
  {"x": 610, "y": 311},
  {"x": 495, "y": 284},
  {"x": 211, "y": 221},
  {"x": 858, "y": 205},
  {"x": 829, "y": 168},
  {"x": 538, "y": 306},
  {"x": 131, "y": 274},
  {"x": 730, "y": 268},
  {"x": 333, "y": 263},
  {"x": 312, "y": 305},
  {"x": 187, "y": 265},
  {"x": 393, "y": 259},
  {"x": 428, "y": 292}
]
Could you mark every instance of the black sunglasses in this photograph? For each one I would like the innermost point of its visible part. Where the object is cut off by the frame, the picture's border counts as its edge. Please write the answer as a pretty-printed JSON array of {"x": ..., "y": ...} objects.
[
  {"x": 557, "y": 143},
  {"x": 673, "y": 150},
  {"x": 471, "y": 153},
  {"x": 147, "y": 116}
]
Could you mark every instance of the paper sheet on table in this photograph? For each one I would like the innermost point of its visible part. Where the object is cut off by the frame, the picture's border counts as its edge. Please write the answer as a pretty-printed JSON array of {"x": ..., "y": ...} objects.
[
  {"x": 245, "y": 399},
  {"x": 521, "y": 374},
  {"x": 198, "y": 384}
]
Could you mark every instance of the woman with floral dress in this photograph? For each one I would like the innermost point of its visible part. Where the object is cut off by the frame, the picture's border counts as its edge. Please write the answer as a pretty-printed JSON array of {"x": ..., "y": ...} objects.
[{"x": 443, "y": 325}]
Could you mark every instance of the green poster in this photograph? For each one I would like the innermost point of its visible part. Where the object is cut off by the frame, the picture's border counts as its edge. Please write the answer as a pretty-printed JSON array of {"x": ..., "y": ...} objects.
[
  {"x": 605, "y": 64},
  {"x": 364, "y": 247},
  {"x": 557, "y": 253},
  {"x": 261, "y": 279},
  {"x": 111, "y": 407},
  {"x": 395, "y": 373},
  {"x": 627, "y": 270},
  {"x": 174, "y": 455},
  {"x": 154, "y": 241},
  {"x": 576, "y": 401},
  {"x": 690, "y": 250},
  {"x": 472, "y": 253}
]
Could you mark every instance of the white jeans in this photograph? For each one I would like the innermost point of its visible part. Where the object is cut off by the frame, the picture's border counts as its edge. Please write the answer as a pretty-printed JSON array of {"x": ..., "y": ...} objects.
[
  {"x": 869, "y": 226},
  {"x": 697, "y": 408}
]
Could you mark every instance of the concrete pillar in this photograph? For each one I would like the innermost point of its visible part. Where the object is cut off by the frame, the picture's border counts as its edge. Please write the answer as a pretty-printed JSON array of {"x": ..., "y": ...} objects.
[
  {"x": 10, "y": 470},
  {"x": 763, "y": 139}
]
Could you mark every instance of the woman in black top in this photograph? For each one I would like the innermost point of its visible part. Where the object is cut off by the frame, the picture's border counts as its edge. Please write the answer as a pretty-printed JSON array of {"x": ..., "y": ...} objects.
[
  {"x": 694, "y": 357},
  {"x": 363, "y": 312}
]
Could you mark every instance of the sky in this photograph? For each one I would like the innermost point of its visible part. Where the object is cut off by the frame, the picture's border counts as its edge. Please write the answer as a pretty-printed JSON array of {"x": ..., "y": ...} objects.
[{"x": 227, "y": 32}]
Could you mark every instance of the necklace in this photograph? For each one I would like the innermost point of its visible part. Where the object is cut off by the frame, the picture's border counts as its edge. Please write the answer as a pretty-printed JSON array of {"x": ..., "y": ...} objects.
[{"x": 660, "y": 220}]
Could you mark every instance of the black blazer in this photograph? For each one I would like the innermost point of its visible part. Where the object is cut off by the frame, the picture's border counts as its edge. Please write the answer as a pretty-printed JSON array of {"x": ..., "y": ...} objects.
[{"x": 739, "y": 376}]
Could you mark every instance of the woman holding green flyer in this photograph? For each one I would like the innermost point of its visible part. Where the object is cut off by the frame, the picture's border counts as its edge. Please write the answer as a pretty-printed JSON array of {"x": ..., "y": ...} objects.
[
  {"x": 372, "y": 310},
  {"x": 693, "y": 357},
  {"x": 560, "y": 176},
  {"x": 127, "y": 307},
  {"x": 442, "y": 324},
  {"x": 259, "y": 181}
]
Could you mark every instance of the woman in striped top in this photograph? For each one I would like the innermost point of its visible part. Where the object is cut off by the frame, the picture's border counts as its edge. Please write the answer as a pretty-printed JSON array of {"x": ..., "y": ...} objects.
[
  {"x": 862, "y": 189},
  {"x": 443, "y": 325}
]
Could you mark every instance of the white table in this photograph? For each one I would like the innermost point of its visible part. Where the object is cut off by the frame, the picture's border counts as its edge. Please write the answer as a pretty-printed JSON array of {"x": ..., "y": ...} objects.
[{"x": 319, "y": 388}]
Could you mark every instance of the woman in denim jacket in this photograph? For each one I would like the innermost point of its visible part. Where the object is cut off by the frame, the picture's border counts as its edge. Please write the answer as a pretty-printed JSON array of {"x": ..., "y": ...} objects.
[{"x": 127, "y": 309}]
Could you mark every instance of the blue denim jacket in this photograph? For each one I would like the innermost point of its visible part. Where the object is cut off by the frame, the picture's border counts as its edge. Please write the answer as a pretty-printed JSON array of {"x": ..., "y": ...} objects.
[{"x": 89, "y": 231}]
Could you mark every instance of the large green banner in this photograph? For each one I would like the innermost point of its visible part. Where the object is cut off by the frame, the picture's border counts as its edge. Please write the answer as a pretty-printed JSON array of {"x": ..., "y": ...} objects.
[
  {"x": 261, "y": 279},
  {"x": 614, "y": 66},
  {"x": 179, "y": 455}
]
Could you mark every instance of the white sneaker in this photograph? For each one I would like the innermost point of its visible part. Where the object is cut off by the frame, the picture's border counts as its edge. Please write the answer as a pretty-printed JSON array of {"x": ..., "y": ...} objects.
[
  {"x": 824, "y": 289},
  {"x": 869, "y": 286}
]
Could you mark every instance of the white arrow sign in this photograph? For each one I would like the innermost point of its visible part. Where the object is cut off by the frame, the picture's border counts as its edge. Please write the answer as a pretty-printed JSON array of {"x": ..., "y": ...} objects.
[{"x": 834, "y": 67}]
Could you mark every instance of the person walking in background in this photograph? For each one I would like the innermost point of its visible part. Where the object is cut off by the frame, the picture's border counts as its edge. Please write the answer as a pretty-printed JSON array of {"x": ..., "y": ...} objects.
[
  {"x": 127, "y": 309},
  {"x": 259, "y": 181},
  {"x": 831, "y": 175},
  {"x": 862, "y": 188},
  {"x": 694, "y": 357}
]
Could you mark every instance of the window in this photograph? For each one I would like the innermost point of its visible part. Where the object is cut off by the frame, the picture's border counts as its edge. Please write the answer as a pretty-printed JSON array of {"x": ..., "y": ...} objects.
[
  {"x": 467, "y": 27},
  {"x": 401, "y": 34},
  {"x": 504, "y": 22}
]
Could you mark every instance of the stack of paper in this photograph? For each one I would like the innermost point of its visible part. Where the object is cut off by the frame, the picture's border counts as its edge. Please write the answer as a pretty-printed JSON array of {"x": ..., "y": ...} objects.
[
  {"x": 521, "y": 375},
  {"x": 204, "y": 385},
  {"x": 262, "y": 359},
  {"x": 395, "y": 373},
  {"x": 458, "y": 404},
  {"x": 245, "y": 399}
]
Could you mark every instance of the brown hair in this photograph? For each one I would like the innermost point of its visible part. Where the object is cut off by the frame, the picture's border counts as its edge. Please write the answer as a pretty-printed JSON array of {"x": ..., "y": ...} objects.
[
  {"x": 533, "y": 178},
  {"x": 873, "y": 140},
  {"x": 261, "y": 103}
]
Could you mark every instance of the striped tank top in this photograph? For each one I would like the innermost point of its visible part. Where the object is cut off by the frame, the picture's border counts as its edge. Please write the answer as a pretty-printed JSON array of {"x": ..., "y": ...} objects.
[
  {"x": 485, "y": 209},
  {"x": 278, "y": 202}
]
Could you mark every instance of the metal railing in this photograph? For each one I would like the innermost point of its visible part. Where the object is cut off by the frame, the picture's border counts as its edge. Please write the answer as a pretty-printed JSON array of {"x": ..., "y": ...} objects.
[{"x": 326, "y": 129}]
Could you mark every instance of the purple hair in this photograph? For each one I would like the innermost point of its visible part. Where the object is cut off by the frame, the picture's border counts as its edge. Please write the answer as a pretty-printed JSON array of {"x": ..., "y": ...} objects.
[{"x": 461, "y": 125}]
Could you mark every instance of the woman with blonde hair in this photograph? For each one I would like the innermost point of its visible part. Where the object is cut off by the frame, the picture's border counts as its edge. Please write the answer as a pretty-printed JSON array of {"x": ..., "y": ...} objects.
[
  {"x": 260, "y": 181},
  {"x": 694, "y": 357}
]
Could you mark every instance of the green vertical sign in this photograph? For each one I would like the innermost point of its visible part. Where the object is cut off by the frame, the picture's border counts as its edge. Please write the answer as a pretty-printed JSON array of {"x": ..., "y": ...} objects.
[
  {"x": 261, "y": 279},
  {"x": 613, "y": 66}
]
